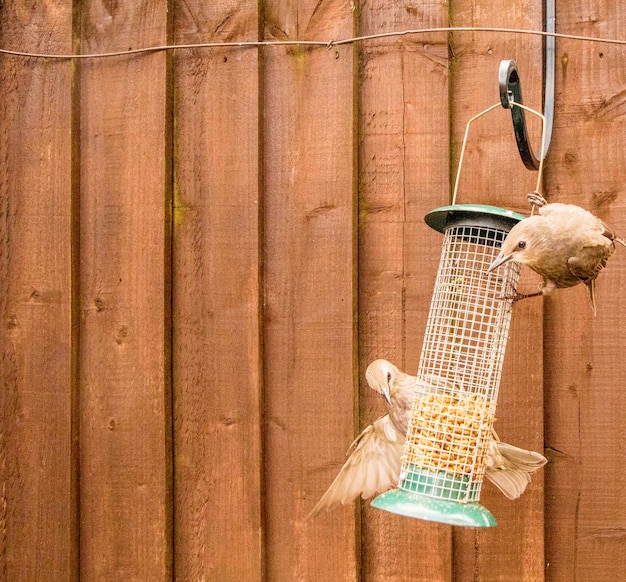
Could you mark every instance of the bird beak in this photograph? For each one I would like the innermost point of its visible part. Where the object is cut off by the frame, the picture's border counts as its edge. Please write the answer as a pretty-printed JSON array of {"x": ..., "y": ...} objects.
[
  {"x": 385, "y": 394},
  {"x": 499, "y": 261}
]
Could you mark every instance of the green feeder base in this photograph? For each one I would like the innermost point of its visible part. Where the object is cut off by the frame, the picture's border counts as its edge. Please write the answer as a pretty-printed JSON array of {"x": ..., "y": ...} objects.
[{"x": 420, "y": 506}]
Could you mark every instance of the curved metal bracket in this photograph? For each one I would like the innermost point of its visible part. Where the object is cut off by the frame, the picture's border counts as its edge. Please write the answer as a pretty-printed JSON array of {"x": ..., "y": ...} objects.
[{"x": 511, "y": 92}]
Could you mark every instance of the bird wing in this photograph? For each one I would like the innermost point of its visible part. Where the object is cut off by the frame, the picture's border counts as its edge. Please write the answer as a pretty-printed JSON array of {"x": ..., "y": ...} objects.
[
  {"x": 511, "y": 483},
  {"x": 510, "y": 468},
  {"x": 373, "y": 466},
  {"x": 588, "y": 262},
  {"x": 528, "y": 461}
]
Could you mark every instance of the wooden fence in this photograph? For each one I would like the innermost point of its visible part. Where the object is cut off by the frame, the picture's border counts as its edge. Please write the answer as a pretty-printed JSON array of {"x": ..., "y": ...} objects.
[{"x": 202, "y": 249}]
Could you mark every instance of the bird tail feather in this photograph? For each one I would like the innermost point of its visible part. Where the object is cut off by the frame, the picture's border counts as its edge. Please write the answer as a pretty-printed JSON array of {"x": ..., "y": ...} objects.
[
  {"x": 592, "y": 294},
  {"x": 611, "y": 234}
]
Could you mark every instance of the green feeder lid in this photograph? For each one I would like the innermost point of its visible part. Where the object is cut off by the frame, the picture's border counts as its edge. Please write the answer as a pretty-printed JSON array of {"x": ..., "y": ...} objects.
[
  {"x": 472, "y": 214},
  {"x": 420, "y": 506}
]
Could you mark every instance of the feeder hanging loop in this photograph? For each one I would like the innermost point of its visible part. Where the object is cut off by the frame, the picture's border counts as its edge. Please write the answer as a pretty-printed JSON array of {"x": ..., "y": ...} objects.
[{"x": 515, "y": 106}]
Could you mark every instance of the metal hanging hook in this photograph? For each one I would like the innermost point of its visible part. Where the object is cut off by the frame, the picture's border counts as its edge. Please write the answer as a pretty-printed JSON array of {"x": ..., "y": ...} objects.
[{"x": 511, "y": 95}]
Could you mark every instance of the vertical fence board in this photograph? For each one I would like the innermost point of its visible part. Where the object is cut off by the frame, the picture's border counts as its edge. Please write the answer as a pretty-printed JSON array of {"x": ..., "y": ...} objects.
[
  {"x": 125, "y": 497},
  {"x": 403, "y": 173},
  {"x": 217, "y": 436},
  {"x": 309, "y": 288},
  {"x": 585, "y": 367},
  {"x": 37, "y": 486},
  {"x": 494, "y": 174},
  {"x": 242, "y": 484}
]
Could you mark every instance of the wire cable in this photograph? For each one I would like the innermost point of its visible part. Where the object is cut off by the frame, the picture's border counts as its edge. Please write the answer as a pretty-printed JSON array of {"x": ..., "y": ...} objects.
[{"x": 313, "y": 43}]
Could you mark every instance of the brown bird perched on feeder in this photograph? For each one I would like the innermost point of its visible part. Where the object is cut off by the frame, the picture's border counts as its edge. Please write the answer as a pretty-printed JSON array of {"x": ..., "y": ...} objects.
[
  {"x": 564, "y": 243},
  {"x": 375, "y": 456}
]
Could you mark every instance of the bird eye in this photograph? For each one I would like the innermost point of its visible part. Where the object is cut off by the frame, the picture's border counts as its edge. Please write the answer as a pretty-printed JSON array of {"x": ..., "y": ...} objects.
[
  {"x": 521, "y": 244},
  {"x": 388, "y": 376}
]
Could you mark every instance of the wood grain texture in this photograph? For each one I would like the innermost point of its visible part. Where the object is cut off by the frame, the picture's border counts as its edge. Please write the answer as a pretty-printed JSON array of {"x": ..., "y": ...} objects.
[
  {"x": 585, "y": 409},
  {"x": 217, "y": 366},
  {"x": 309, "y": 258},
  {"x": 125, "y": 199},
  {"x": 403, "y": 173},
  {"x": 201, "y": 251},
  {"x": 492, "y": 162},
  {"x": 494, "y": 174},
  {"x": 37, "y": 463},
  {"x": 519, "y": 534}
]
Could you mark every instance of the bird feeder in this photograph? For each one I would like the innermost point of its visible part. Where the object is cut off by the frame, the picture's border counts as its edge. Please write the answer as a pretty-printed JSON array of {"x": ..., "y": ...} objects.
[
  {"x": 459, "y": 373},
  {"x": 453, "y": 412}
]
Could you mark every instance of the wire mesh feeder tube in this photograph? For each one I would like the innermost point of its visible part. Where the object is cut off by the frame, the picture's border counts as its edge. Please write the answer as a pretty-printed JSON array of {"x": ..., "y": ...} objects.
[{"x": 459, "y": 372}]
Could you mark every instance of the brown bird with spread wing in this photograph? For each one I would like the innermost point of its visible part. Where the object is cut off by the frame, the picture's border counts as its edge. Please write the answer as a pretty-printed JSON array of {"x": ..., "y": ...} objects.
[
  {"x": 375, "y": 456},
  {"x": 564, "y": 243}
]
